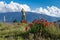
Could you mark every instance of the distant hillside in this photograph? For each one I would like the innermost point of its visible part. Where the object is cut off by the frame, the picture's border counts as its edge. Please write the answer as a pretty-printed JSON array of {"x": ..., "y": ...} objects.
[
  {"x": 10, "y": 16},
  {"x": 57, "y": 23}
]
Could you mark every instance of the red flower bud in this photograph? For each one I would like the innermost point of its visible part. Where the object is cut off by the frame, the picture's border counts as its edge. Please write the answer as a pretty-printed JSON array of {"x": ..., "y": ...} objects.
[
  {"x": 26, "y": 28},
  {"x": 46, "y": 24},
  {"x": 31, "y": 24},
  {"x": 24, "y": 21},
  {"x": 38, "y": 21}
]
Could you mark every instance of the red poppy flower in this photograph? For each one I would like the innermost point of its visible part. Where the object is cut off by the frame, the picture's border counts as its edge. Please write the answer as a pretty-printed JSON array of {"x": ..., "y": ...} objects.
[
  {"x": 24, "y": 21},
  {"x": 46, "y": 24},
  {"x": 38, "y": 21},
  {"x": 31, "y": 24},
  {"x": 26, "y": 28}
]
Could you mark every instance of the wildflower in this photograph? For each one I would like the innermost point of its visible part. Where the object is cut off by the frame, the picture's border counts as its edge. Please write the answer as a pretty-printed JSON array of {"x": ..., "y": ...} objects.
[
  {"x": 38, "y": 21},
  {"x": 46, "y": 24},
  {"x": 26, "y": 28},
  {"x": 31, "y": 24},
  {"x": 24, "y": 21}
]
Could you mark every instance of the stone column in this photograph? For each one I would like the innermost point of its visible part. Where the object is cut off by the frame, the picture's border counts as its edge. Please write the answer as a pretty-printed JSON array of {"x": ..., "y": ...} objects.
[{"x": 23, "y": 14}]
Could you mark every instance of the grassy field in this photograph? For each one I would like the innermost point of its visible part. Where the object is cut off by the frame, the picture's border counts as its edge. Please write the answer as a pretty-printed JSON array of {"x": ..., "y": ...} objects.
[
  {"x": 17, "y": 31},
  {"x": 11, "y": 29}
]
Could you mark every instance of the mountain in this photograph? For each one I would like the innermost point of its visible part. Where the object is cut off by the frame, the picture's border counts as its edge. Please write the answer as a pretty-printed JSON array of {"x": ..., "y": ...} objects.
[
  {"x": 57, "y": 22},
  {"x": 30, "y": 16}
]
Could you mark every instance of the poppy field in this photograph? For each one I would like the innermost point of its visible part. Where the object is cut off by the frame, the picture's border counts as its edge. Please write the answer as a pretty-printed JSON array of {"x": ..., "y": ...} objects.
[{"x": 35, "y": 30}]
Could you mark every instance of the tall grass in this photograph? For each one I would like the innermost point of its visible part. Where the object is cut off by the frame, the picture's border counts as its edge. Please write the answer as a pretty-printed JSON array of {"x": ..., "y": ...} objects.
[
  {"x": 53, "y": 31},
  {"x": 8, "y": 30},
  {"x": 13, "y": 31}
]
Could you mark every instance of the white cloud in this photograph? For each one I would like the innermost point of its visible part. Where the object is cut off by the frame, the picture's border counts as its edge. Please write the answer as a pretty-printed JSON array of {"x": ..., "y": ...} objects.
[
  {"x": 51, "y": 11},
  {"x": 13, "y": 7},
  {"x": 16, "y": 7}
]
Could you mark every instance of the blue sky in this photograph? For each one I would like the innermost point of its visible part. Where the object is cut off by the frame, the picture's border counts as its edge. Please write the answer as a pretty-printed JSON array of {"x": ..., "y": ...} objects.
[
  {"x": 48, "y": 7},
  {"x": 36, "y": 3}
]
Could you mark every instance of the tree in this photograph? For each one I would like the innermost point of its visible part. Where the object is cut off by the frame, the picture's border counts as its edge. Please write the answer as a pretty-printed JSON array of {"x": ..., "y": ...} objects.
[{"x": 14, "y": 21}]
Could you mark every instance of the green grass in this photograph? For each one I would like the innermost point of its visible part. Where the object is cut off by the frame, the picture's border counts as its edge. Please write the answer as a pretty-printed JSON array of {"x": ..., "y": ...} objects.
[
  {"x": 7, "y": 29},
  {"x": 53, "y": 31},
  {"x": 15, "y": 29}
]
